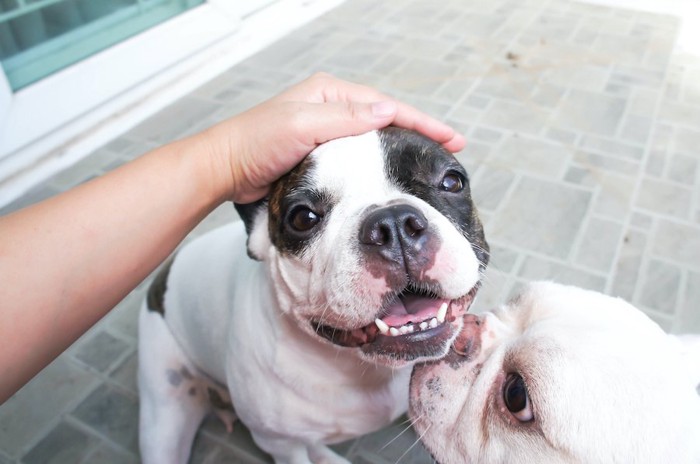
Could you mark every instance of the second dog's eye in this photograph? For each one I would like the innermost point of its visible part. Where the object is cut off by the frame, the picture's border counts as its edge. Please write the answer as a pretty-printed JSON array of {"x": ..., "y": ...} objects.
[
  {"x": 302, "y": 219},
  {"x": 452, "y": 182},
  {"x": 516, "y": 398}
]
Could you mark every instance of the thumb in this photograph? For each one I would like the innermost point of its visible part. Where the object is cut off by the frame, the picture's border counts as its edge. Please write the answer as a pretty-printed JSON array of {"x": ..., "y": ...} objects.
[{"x": 334, "y": 120}]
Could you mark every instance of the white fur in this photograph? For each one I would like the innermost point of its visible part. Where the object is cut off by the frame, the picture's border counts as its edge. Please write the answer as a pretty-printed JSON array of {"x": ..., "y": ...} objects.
[{"x": 606, "y": 385}]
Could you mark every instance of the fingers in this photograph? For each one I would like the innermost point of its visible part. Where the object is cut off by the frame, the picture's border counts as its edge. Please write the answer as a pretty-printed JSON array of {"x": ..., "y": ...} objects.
[
  {"x": 327, "y": 121},
  {"x": 409, "y": 117},
  {"x": 322, "y": 87}
]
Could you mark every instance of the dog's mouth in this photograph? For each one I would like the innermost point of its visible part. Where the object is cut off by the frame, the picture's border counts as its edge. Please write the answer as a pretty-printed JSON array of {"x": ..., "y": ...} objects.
[{"x": 415, "y": 324}]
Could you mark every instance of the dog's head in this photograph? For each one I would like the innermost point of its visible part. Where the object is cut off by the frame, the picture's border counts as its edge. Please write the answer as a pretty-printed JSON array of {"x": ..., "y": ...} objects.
[
  {"x": 374, "y": 244},
  {"x": 560, "y": 374}
]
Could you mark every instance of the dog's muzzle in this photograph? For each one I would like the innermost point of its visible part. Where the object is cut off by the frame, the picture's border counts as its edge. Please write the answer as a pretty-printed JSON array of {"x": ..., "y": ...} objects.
[{"x": 413, "y": 326}]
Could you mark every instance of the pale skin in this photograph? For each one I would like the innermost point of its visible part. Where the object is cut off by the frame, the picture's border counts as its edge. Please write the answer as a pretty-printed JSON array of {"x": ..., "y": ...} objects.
[{"x": 65, "y": 262}]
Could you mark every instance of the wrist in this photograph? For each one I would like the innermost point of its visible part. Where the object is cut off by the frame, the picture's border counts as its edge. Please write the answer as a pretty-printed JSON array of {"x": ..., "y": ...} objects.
[{"x": 210, "y": 158}]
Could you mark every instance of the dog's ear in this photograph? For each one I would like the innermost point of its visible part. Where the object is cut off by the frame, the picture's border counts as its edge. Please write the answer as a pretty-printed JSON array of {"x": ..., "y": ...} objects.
[
  {"x": 254, "y": 216},
  {"x": 690, "y": 353}
]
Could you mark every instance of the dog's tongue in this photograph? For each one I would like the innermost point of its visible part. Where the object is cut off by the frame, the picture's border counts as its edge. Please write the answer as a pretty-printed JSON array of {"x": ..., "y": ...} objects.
[{"x": 411, "y": 309}]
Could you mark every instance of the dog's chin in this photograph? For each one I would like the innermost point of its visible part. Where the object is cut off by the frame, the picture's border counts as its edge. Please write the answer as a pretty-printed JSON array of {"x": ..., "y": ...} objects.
[{"x": 399, "y": 336}]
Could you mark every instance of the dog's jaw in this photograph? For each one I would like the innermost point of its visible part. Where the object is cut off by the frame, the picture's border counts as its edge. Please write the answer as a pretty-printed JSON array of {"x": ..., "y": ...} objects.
[{"x": 399, "y": 336}]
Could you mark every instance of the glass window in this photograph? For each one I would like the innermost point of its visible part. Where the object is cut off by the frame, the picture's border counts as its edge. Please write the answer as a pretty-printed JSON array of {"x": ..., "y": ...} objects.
[{"x": 40, "y": 37}]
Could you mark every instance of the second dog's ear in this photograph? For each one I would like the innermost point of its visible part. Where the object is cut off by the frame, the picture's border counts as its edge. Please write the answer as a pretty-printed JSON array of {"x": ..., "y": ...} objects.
[{"x": 254, "y": 216}]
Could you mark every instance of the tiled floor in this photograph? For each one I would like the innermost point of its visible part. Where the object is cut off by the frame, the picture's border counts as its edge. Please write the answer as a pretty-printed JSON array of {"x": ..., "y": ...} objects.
[{"x": 584, "y": 146}]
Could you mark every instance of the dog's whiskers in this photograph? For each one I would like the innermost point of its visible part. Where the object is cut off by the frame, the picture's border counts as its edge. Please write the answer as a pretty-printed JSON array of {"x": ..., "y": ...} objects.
[
  {"x": 414, "y": 444},
  {"x": 410, "y": 423}
]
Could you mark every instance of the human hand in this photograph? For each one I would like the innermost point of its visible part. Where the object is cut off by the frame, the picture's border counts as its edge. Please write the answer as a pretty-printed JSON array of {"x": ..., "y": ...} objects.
[{"x": 255, "y": 148}]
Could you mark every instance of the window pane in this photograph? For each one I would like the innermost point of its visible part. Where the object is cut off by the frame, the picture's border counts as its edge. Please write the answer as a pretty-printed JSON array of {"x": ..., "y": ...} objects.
[{"x": 40, "y": 37}]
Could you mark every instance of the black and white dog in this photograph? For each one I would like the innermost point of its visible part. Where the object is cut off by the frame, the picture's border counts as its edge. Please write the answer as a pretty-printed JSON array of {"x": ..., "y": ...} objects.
[{"x": 360, "y": 262}]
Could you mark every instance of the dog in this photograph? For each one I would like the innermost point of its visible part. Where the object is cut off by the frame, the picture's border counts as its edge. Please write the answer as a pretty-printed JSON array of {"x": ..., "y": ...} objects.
[
  {"x": 561, "y": 375},
  {"x": 306, "y": 316}
]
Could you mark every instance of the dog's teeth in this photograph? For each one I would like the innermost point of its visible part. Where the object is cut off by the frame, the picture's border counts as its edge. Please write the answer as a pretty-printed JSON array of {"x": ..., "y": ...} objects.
[
  {"x": 442, "y": 312},
  {"x": 394, "y": 331},
  {"x": 410, "y": 328},
  {"x": 383, "y": 327},
  {"x": 403, "y": 330},
  {"x": 423, "y": 325},
  {"x": 433, "y": 323}
]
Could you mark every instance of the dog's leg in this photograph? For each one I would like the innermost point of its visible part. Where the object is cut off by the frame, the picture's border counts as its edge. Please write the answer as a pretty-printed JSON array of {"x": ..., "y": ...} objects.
[
  {"x": 172, "y": 400},
  {"x": 321, "y": 454}
]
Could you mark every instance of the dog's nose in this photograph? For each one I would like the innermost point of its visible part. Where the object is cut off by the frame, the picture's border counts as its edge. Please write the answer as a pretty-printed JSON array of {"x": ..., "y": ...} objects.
[{"x": 394, "y": 231}]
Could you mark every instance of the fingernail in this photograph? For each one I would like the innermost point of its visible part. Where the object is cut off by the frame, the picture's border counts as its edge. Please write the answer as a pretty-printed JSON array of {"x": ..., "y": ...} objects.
[{"x": 384, "y": 109}]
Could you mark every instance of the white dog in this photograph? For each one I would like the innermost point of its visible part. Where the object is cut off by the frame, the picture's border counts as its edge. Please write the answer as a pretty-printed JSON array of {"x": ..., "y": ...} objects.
[
  {"x": 561, "y": 375},
  {"x": 364, "y": 259}
]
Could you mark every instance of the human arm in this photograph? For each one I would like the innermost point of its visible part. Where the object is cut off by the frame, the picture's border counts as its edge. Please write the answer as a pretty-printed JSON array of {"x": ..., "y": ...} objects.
[{"x": 65, "y": 262}]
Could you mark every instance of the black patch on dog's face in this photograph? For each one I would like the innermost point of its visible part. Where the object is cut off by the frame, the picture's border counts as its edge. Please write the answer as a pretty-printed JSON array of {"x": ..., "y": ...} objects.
[
  {"x": 423, "y": 168},
  {"x": 292, "y": 197}
]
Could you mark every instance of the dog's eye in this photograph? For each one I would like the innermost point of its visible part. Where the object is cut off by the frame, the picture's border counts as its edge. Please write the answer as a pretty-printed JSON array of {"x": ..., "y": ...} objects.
[
  {"x": 516, "y": 398},
  {"x": 302, "y": 219},
  {"x": 452, "y": 182}
]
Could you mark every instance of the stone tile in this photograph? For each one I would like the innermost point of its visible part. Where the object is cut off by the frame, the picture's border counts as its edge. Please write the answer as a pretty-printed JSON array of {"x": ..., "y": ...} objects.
[
  {"x": 600, "y": 241},
  {"x": 680, "y": 113},
  {"x": 636, "y": 129},
  {"x": 541, "y": 216},
  {"x": 688, "y": 318},
  {"x": 606, "y": 163},
  {"x": 206, "y": 450},
  {"x": 454, "y": 89},
  {"x": 535, "y": 268},
  {"x": 548, "y": 95},
  {"x": 495, "y": 288},
  {"x": 239, "y": 439},
  {"x": 677, "y": 242},
  {"x": 687, "y": 141},
  {"x": 477, "y": 101},
  {"x": 562, "y": 136},
  {"x": 474, "y": 156},
  {"x": 643, "y": 101},
  {"x": 612, "y": 147},
  {"x": 486, "y": 135},
  {"x": 111, "y": 413},
  {"x": 590, "y": 112},
  {"x": 641, "y": 220},
  {"x": 125, "y": 374},
  {"x": 661, "y": 286},
  {"x": 101, "y": 351},
  {"x": 490, "y": 186},
  {"x": 664, "y": 198},
  {"x": 507, "y": 83},
  {"x": 503, "y": 259},
  {"x": 108, "y": 455},
  {"x": 683, "y": 169},
  {"x": 63, "y": 445},
  {"x": 423, "y": 76},
  {"x": 516, "y": 117},
  {"x": 184, "y": 117},
  {"x": 533, "y": 156},
  {"x": 581, "y": 77},
  {"x": 656, "y": 163},
  {"x": 124, "y": 317},
  {"x": 29, "y": 414},
  {"x": 628, "y": 264}
]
